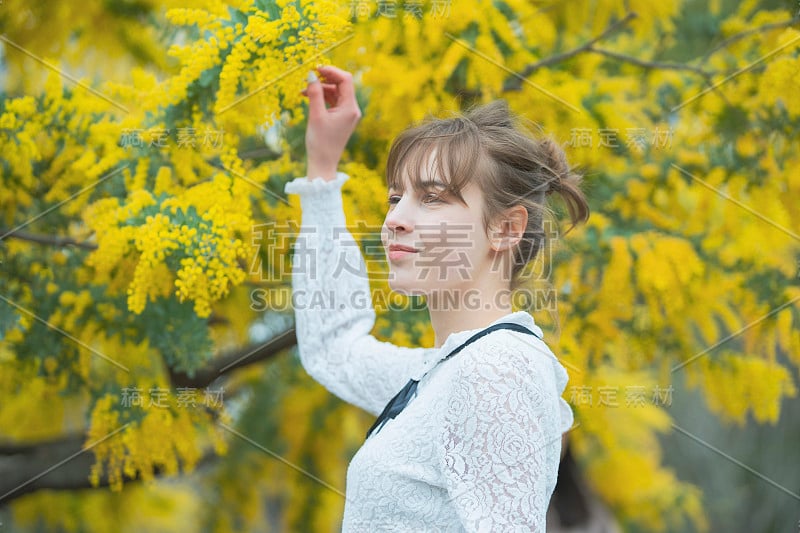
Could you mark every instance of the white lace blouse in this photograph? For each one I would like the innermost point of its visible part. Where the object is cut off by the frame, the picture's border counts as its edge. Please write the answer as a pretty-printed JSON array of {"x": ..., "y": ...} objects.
[{"x": 477, "y": 449}]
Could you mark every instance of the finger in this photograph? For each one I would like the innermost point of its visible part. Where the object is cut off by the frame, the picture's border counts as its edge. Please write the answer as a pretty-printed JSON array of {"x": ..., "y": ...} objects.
[
  {"x": 331, "y": 98},
  {"x": 341, "y": 78},
  {"x": 327, "y": 86},
  {"x": 316, "y": 99}
]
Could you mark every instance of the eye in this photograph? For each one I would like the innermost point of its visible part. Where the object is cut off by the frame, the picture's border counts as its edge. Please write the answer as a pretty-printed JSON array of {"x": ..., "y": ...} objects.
[{"x": 428, "y": 198}]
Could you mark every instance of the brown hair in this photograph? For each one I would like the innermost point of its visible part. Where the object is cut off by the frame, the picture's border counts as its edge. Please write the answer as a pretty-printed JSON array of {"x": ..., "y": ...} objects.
[{"x": 511, "y": 168}]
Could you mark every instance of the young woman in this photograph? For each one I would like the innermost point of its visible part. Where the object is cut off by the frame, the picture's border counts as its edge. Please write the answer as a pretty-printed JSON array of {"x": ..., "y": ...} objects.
[{"x": 473, "y": 436}]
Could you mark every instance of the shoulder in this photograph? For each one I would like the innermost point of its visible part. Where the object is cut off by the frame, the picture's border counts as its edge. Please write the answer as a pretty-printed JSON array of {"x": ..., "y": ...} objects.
[
  {"x": 507, "y": 363},
  {"x": 496, "y": 385},
  {"x": 490, "y": 369},
  {"x": 504, "y": 353},
  {"x": 506, "y": 376}
]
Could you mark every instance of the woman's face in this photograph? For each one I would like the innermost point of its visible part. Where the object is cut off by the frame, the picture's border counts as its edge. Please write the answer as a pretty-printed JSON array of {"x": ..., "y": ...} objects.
[{"x": 452, "y": 250}]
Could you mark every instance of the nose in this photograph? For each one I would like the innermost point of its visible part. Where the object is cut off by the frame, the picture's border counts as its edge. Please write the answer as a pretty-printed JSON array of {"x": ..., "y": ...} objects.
[{"x": 398, "y": 219}]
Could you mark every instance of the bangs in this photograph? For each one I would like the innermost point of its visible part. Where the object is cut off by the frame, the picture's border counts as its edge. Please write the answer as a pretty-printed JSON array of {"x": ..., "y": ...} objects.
[{"x": 448, "y": 151}]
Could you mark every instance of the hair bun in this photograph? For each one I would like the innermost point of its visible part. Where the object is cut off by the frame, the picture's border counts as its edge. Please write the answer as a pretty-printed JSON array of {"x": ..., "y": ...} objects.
[{"x": 555, "y": 163}]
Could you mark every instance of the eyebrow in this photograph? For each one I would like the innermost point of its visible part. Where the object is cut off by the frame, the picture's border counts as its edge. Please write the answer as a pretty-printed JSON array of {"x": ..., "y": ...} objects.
[{"x": 430, "y": 183}]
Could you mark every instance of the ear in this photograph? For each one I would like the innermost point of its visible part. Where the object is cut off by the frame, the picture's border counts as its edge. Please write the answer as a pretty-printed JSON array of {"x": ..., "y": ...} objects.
[{"x": 509, "y": 228}]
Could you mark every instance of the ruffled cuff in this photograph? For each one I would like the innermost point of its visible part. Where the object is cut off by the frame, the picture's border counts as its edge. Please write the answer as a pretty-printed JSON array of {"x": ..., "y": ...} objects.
[
  {"x": 318, "y": 197},
  {"x": 316, "y": 185}
]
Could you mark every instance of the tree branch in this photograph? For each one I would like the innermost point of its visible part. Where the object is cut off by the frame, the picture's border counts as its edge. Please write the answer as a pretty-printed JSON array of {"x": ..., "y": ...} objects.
[
  {"x": 589, "y": 46},
  {"x": 650, "y": 64},
  {"x": 515, "y": 83},
  {"x": 24, "y": 473},
  {"x": 23, "y": 466},
  {"x": 52, "y": 240},
  {"x": 741, "y": 35},
  {"x": 226, "y": 363}
]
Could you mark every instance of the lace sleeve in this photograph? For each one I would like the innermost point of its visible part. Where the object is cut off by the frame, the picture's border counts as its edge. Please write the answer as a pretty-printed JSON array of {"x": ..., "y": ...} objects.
[
  {"x": 333, "y": 306},
  {"x": 501, "y": 439}
]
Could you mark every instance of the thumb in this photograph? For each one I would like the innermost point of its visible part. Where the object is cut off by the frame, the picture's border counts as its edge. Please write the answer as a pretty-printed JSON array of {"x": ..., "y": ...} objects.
[{"x": 316, "y": 97}]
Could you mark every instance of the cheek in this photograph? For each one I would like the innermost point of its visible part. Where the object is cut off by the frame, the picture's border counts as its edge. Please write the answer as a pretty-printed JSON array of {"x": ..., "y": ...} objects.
[{"x": 461, "y": 234}]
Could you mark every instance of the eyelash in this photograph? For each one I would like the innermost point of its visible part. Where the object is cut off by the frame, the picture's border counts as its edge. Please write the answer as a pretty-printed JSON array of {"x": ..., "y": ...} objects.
[{"x": 392, "y": 201}]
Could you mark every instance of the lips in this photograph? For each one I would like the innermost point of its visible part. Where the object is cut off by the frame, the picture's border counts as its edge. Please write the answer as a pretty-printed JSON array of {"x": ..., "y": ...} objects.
[
  {"x": 401, "y": 248},
  {"x": 397, "y": 252}
]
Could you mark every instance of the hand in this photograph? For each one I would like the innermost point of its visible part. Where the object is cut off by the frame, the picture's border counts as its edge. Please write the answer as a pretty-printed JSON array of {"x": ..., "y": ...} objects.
[{"x": 329, "y": 129}]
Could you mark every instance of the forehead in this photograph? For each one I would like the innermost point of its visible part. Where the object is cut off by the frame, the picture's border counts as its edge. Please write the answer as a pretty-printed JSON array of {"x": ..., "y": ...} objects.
[
  {"x": 424, "y": 183},
  {"x": 419, "y": 169}
]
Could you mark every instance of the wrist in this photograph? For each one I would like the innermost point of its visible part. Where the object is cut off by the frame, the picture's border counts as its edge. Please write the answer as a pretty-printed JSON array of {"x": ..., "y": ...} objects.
[{"x": 326, "y": 173}]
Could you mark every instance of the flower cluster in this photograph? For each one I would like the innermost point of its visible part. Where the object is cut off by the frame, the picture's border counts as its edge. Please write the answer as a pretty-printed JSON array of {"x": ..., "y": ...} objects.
[
  {"x": 169, "y": 240},
  {"x": 160, "y": 439}
]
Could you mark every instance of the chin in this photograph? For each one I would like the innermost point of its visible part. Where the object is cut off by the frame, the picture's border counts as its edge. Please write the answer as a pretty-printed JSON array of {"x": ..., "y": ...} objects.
[{"x": 407, "y": 289}]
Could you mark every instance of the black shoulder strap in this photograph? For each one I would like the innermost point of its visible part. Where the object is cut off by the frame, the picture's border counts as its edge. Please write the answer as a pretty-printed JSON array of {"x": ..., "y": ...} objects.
[
  {"x": 495, "y": 327},
  {"x": 401, "y": 399}
]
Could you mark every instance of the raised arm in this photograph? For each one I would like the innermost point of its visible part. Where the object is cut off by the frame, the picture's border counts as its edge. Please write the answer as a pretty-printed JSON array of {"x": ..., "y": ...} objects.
[{"x": 333, "y": 307}]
